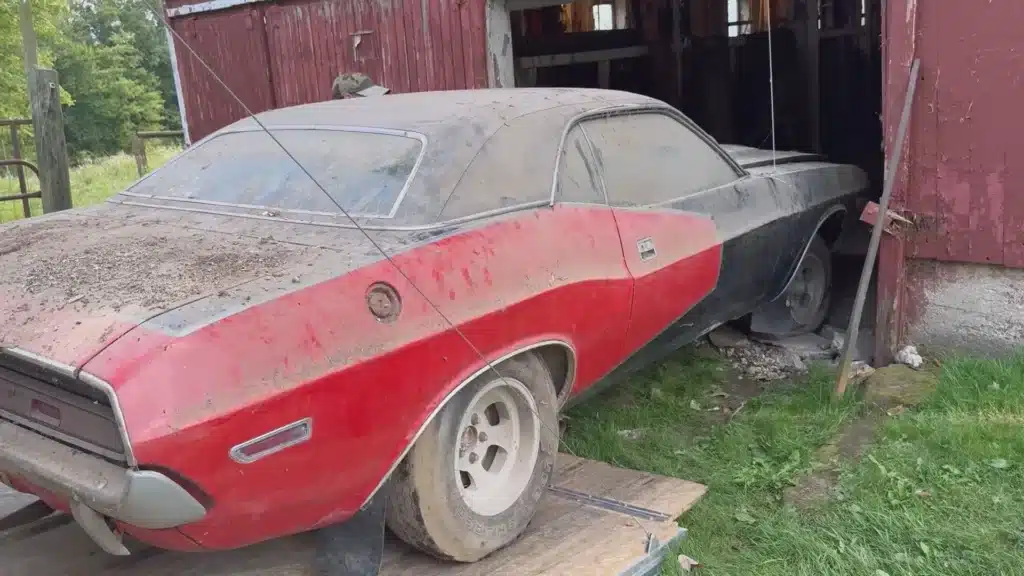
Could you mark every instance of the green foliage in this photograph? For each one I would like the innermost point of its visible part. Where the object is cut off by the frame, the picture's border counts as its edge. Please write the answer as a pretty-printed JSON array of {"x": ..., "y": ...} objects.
[
  {"x": 114, "y": 69},
  {"x": 114, "y": 95},
  {"x": 938, "y": 491},
  {"x": 92, "y": 181},
  {"x": 48, "y": 16}
]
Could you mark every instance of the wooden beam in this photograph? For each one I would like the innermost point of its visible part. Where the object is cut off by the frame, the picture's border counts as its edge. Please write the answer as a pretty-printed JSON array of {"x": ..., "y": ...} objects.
[
  {"x": 812, "y": 42},
  {"x": 51, "y": 146},
  {"x": 500, "y": 63},
  {"x": 548, "y": 60}
]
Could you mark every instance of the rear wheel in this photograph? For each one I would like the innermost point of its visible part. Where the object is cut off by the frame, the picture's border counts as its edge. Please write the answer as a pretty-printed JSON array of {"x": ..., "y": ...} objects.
[{"x": 471, "y": 483}]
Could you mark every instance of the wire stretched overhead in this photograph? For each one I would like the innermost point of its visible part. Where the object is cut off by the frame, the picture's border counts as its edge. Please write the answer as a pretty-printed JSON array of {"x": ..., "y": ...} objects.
[{"x": 175, "y": 36}]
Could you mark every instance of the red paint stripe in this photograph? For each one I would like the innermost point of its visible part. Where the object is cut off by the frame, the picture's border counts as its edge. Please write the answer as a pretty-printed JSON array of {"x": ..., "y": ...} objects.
[{"x": 265, "y": 367}]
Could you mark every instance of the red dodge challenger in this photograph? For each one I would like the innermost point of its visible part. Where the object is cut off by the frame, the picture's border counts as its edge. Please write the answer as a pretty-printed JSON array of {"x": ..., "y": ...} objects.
[{"x": 217, "y": 356}]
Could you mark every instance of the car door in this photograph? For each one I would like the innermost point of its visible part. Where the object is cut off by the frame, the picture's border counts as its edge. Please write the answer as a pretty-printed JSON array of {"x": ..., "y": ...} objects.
[
  {"x": 578, "y": 190},
  {"x": 669, "y": 186}
]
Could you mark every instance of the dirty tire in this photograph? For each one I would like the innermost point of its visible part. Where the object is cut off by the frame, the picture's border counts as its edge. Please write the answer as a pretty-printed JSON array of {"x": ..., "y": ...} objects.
[
  {"x": 426, "y": 507},
  {"x": 818, "y": 250}
]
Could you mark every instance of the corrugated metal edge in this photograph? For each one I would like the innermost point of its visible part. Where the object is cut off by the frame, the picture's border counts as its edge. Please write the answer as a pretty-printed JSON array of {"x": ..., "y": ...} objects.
[
  {"x": 209, "y": 6},
  {"x": 650, "y": 564}
]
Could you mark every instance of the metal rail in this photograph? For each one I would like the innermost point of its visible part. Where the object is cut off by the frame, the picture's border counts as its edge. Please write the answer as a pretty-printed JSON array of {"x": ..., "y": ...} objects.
[
  {"x": 14, "y": 124},
  {"x": 25, "y": 195}
]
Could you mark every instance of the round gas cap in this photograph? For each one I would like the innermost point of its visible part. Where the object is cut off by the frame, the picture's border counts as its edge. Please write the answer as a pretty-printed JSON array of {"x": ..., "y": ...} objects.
[{"x": 383, "y": 301}]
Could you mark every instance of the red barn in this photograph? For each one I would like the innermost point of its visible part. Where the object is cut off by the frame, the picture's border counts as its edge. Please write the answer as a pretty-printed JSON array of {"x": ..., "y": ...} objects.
[{"x": 839, "y": 71}]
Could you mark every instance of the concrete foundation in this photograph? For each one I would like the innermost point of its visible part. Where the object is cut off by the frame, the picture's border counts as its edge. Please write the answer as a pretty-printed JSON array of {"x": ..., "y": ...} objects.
[{"x": 971, "y": 308}]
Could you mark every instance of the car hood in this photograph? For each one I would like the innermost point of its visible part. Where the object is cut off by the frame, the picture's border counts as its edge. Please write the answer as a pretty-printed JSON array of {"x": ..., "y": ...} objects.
[{"x": 75, "y": 281}]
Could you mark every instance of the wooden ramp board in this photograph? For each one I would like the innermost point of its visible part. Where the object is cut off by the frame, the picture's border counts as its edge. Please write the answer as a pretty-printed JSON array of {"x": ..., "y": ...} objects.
[{"x": 572, "y": 534}]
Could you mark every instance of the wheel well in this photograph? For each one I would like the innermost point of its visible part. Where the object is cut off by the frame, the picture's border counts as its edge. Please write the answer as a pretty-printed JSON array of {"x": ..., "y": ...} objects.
[
  {"x": 832, "y": 228},
  {"x": 561, "y": 363}
]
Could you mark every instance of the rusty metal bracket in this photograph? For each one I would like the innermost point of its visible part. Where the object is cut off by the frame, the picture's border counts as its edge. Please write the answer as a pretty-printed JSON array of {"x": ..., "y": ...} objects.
[{"x": 895, "y": 223}]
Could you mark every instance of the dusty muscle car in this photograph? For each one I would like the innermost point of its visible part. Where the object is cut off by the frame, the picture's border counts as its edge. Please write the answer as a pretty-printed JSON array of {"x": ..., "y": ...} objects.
[{"x": 217, "y": 356}]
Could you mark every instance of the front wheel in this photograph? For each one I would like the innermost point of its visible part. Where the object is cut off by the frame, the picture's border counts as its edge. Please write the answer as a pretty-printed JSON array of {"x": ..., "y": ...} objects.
[{"x": 471, "y": 483}]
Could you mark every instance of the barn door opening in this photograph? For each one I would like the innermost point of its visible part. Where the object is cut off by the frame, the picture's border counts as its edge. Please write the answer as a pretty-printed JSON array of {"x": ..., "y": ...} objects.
[{"x": 583, "y": 44}]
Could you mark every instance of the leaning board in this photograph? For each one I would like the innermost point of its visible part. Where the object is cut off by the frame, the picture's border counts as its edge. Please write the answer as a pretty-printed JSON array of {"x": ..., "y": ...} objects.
[{"x": 594, "y": 521}]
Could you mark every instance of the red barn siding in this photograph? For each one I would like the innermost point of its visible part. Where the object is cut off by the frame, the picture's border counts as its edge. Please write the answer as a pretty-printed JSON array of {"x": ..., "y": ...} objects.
[
  {"x": 965, "y": 171},
  {"x": 962, "y": 174},
  {"x": 233, "y": 44},
  {"x": 294, "y": 50}
]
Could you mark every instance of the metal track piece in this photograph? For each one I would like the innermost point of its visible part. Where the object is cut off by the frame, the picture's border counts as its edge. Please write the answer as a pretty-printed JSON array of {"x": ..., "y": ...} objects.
[{"x": 609, "y": 504}]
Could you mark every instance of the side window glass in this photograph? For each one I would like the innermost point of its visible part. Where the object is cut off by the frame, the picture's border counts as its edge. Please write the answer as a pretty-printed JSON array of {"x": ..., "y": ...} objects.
[
  {"x": 577, "y": 176},
  {"x": 650, "y": 158}
]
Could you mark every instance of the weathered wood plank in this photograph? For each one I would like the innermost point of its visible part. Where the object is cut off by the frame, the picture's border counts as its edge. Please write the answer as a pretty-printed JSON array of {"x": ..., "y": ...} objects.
[{"x": 566, "y": 537}]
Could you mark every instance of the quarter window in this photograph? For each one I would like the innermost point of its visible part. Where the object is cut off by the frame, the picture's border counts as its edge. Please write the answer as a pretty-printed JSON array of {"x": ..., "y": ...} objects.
[
  {"x": 651, "y": 158},
  {"x": 577, "y": 176}
]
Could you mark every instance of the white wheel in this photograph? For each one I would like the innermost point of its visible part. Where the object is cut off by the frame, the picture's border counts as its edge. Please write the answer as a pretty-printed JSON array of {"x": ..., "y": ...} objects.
[
  {"x": 498, "y": 446},
  {"x": 471, "y": 483}
]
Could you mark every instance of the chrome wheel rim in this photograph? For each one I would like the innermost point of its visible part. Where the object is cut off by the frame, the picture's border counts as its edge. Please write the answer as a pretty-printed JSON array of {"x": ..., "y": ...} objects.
[{"x": 497, "y": 446}]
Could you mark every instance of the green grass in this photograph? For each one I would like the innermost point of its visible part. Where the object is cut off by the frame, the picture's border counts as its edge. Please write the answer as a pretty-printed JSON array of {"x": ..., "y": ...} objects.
[
  {"x": 91, "y": 182},
  {"x": 940, "y": 490}
]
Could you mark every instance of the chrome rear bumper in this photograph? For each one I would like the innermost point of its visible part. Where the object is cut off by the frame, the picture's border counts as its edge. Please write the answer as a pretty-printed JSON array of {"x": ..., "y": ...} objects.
[{"x": 96, "y": 488}]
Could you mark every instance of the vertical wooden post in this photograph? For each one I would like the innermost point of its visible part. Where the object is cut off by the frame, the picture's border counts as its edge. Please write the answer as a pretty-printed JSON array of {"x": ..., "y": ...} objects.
[
  {"x": 500, "y": 63},
  {"x": 28, "y": 36},
  {"x": 812, "y": 42},
  {"x": 51, "y": 147},
  {"x": 677, "y": 49},
  {"x": 139, "y": 151},
  {"x": 26, "y": 208}
]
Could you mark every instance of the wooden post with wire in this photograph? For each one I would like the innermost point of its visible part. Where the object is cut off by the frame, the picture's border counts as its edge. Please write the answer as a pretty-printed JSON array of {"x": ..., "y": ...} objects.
[
  {"x": 867, "y": 271},
  {"x": 51, "y": 146}
]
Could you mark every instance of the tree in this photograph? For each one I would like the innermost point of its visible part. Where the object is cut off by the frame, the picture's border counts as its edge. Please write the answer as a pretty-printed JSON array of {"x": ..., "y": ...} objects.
[
  {"x": 114, "y": 94},
  {"x": 101, "y": 21},
  {"x": 48, "y": 15},
  {"x": 113, "y": 63}
]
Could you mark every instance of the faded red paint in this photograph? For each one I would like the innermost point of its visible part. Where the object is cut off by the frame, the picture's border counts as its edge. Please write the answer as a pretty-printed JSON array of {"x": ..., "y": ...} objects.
[
  {"x": 369, "y": 386},
  {"x": 275, "y": 55},
  {"x": 683, "y": 273},
  {"x": 962, "y": 174}
]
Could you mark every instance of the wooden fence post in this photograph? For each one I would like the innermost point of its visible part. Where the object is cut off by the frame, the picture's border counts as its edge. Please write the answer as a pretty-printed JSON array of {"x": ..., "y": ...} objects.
[
  {"x": 51, "y": 146},
  {"x": 139, "y": 151}
]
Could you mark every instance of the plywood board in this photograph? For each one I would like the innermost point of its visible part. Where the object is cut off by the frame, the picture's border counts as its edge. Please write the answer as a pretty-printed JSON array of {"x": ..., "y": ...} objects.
[{"x": 565, "y": 537}]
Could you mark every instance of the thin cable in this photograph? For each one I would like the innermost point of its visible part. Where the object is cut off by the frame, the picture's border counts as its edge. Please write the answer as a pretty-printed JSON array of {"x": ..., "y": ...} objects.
[
  {"x": 771, "y": 76},
  {"x": 376, "y": 246}
]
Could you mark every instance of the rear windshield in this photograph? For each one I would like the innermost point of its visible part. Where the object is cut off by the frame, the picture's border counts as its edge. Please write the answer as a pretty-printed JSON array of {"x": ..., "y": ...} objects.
[{"x": 364, "y": 172}]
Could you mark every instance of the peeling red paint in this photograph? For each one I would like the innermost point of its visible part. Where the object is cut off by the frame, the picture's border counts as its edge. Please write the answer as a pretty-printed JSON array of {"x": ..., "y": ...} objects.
[{"x": 962, "y": 174}]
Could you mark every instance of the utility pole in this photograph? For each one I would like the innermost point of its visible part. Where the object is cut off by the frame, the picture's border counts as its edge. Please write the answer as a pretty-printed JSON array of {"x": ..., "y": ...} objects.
[{"x": 28, "y": 38}]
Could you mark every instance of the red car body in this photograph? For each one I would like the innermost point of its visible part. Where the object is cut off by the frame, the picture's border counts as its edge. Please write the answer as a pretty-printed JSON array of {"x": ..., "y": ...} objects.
[{"x": 198, "y": 325}]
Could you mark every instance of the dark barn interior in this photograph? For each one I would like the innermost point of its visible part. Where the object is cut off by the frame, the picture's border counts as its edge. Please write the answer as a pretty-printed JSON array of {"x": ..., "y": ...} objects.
[{"x": 710, "y": 59}]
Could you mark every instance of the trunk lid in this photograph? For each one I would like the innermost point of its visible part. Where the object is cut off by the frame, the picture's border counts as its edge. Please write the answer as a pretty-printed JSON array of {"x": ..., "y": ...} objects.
[{"x": 75, "y": 281}]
